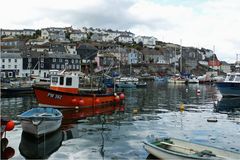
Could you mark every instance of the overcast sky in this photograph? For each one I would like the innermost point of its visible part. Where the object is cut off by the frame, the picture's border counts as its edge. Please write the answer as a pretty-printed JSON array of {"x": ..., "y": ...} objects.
[{"x": 199, "y": 23}]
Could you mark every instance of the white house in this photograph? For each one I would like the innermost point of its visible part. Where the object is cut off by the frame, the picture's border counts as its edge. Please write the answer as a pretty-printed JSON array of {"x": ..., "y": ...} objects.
[
  {"x": 57, "y": 34},
  {"x": 71, "y": 48},
  {"x": 15, "y": 32},
  {"x": 225, "y": 67},
  {"x": 149, "y": 42},
  {"x": 11, "y": 65},
  {"x": 124, "y": 39},
  {"x": 133, "y": 58},
  {"x": 77, "y": 35}
]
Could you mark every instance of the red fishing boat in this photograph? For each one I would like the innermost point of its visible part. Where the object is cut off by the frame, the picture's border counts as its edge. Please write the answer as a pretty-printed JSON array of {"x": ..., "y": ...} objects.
[{"x": 66, "y": 91}]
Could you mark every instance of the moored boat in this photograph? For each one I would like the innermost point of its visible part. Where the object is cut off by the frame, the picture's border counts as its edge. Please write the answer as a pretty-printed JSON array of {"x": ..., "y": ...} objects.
[
  {"x": 171, "y": 148},
  {"x": 66, "y": 91},
  {"x": 230, "y": 86},
  {"x": 39, "y": 121}
]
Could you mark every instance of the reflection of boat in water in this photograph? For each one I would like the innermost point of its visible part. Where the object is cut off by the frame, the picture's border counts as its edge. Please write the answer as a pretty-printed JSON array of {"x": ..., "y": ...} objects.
[
  {"x": 32, "y": 147},
  {"x": 171, "y": 148},
  {"x": 16, "y": 89},
  {"x": 7, "y": 152},
  {"x": 71, "y": 115},
  {"x": 228, "y": 104}
]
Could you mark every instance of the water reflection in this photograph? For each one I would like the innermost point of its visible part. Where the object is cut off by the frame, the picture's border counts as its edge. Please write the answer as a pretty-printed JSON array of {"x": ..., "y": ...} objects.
[
  {"x": 32, "y": 147},
  {"x": 7, "y": 152},
  {"x": 229, "y": 106}
]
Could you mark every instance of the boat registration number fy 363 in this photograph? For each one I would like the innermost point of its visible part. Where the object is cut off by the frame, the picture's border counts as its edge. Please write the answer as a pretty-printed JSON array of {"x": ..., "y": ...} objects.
[{"x": 55, "y": 96}]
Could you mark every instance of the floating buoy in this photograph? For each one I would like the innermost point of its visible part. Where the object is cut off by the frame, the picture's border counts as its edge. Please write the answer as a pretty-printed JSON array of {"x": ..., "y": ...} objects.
[
  {"x": 81, "y": 102},
  {"x": 135, "y": 110},
  {"x": 198, "y": 91},
  {"x": 117, "y": 98},
  {"x": 122, "y": 96},
  {"x": 10, "y": 125},
  {"x": 212, "y": 119},
  {"x": 181, "y": 107}
]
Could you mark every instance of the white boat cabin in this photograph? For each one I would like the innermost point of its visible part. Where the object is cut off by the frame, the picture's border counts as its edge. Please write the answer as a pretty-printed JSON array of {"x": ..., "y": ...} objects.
[
  {"x": 232, "y": 78},
  {"x": 66, "y": 82}
]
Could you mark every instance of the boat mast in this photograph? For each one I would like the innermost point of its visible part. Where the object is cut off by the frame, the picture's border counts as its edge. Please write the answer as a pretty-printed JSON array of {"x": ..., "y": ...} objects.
[
  {"x": 174, "y": 60},
  {"x": 120, "y": 57},
  {"x": 181, "y": 56}
]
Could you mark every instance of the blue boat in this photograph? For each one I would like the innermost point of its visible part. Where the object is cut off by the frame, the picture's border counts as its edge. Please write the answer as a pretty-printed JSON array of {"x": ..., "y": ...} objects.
[
  {"x": 230, "y": 87},
  {"x": 40, "y": 121}
]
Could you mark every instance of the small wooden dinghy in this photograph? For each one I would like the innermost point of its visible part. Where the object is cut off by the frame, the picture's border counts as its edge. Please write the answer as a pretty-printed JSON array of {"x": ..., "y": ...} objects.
[
  {"x": 39, "y": 121},
  {"x": 171, "y": 148}
]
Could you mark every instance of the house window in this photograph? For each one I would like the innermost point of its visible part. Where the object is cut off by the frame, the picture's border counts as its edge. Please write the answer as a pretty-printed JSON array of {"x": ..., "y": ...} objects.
[
  {"x": 9, "y": 74},
  {"x": 15, "y": 60},
  {"x": 3, "y": 66},
  {"x": 72, "y": 60},
  {"x": 68, "y": 81},
  {"x": 62, "y": 66},
  {"x": 42, "y": 65},
  {"x": 3, "y": 60},
  {"x": 73, "y": 66},
  {"x": 58, "y": 66},
  {"x": 76, "y": 60},
  {"x": 9, "y": 66},
  {"x": 60, "y": 59},
  {"x": 42, "y": 59},
  {"x": 61, "y": 80},
  {"x": 9, "y": 60},
  {"x": 53, "y": 66},
  {"x": 15, "y": 66},
  {"x": 77, "y": 67},
  {"x": 54, "y": 59}
]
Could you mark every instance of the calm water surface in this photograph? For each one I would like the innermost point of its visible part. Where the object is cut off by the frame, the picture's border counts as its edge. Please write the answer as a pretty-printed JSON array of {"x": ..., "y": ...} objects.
[{"x": 149, "y": 113}]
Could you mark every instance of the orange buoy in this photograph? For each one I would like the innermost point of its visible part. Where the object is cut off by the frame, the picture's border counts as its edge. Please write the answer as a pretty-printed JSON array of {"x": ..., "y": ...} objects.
[
  {"x": 10, "y": 125},
  {"x": 122, "y": 96}
]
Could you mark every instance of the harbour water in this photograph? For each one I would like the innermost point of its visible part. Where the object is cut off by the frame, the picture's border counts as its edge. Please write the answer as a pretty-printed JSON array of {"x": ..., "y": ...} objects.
[{"x": 150, "y": 112}]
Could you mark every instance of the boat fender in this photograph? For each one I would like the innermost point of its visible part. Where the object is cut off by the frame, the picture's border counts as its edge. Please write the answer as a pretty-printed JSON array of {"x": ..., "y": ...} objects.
[
  {"x": 10, "y": 125},
  {"x": 117, "y": 99},
  {"x": 97, "y": 100},
  {"x": 122, "y": 96},
  {"x": 81, "y": 102},
  {"x": 74, "y": 101},
  {"x": 8, "y": 153}
]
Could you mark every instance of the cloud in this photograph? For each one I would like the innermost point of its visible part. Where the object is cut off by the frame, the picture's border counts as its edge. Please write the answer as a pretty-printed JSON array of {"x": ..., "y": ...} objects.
[{"x": 204, "y": 23}]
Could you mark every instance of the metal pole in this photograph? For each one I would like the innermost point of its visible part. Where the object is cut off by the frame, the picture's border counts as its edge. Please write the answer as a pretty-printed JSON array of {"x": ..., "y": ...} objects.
[{"x": 181, "y": 55}]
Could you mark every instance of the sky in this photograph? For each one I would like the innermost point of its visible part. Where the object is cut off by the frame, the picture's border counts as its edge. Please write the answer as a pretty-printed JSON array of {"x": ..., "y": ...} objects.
[{"x": 211, "y": 24}]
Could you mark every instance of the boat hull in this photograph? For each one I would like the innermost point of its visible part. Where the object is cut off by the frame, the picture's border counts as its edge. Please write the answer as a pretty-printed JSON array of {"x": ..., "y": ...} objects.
[
  {"x": 39, "y": 121},
  {"x": 180, "y": 149},
  {"x": 5, "y": 92},
  {"x": 40, "y": 127},
  {"x": 57, "y": 99},
  {"x": 229, "y": 89}
]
